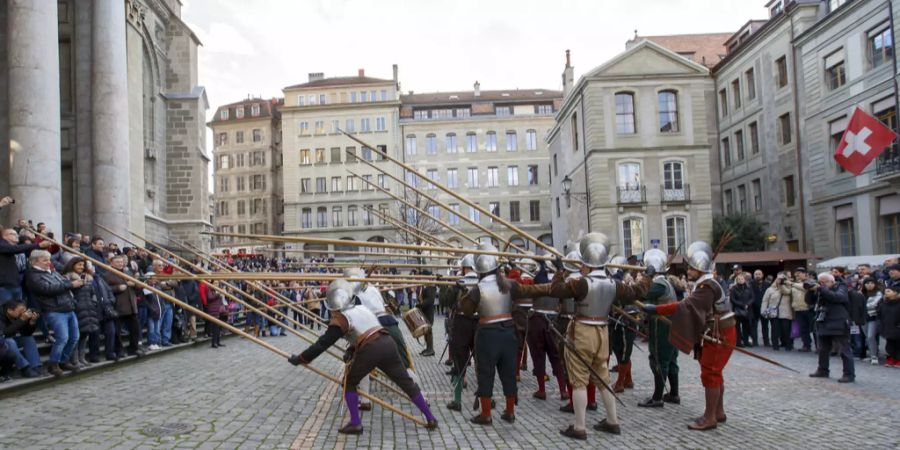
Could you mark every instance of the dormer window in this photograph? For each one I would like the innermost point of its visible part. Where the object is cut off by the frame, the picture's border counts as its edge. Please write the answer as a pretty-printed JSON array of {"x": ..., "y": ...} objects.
[
  {"x": 254, "y": 110},
  {"x": 223, "y": 114},
  {"x": 776, "y": 9},
  {"x": 239, "y": 112}
]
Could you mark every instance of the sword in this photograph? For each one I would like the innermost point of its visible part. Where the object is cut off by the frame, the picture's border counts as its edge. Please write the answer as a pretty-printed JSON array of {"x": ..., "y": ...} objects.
[
  {"x": 634, "y": 330},
  {"x": 575, "y": 352}
]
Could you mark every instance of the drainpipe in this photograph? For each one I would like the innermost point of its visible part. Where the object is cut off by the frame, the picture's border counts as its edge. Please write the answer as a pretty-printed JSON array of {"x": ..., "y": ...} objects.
[
  {"x": 798, "y": 141},
  {"x": 587, "y": 185}
]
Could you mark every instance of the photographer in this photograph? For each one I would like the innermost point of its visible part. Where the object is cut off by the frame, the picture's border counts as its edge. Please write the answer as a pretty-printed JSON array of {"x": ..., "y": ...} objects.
[
  {"x": 53, "y": 293},
  {"x": 17, "y": 324},
  {"x": 776, "y": 307},
  {"x": 832, "y": 324}
]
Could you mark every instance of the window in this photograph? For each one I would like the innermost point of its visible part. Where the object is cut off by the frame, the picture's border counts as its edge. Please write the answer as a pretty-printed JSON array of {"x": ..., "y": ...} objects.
[
  {"x": 350, "y": 126},
  {"x": 335, "y": 184},
  {"x": 223, "y": 184},
  {"x": 756, "y": 187},
  {"x": 494, "y": 208},
  {"x": 514, "y": 211},
  {"x": 630, "y": 176},
  {"x": 533, "y": 175},
  {"x": 503, "y": 111},
  {"x": 380, "y": 124},
  {"x": 788, "y": 187},
  {"x": 304, "y": 156},
  {"x": 668, "y": 112},
  {"x": 880, "y": 47},
  {"x": 726, "y": 152},
  {"x": 736, "y": 93},
  {"x": 889, "y": 160},
  {"x": 259, "y": 159},
  {"x": 335, "y": 155},
  {"x": 781, "y": 72},
  {"x": 239, "y": 137},
  {"x": 432, "y": 175},
  {"x": 890, "y": 225},
  {"x": 321, "y": 186},
  {"x": 312, "y": 99},
  {"x": 381, "y": 182},
  {"x": 320, "y": 156},
  {"x": 384, "y": 95},
  {"x": 304, "y": 127},
  {"x": 471, "y": 142},
  {"x": 544, "y": 109},
  {"x": 633, "y": 236},
  {"x": 531, "y": 140},
  {"x": 239, "y": 160},
  {"x": 383, "y": 209},
  {"x": 351, "y": 154},
  {"x": 242, "y": 208},
  {"x": 223, "y": 114},
  {"x": 335, "y": 126},
  {"x": 363, "y": 96},
  {"x": 225, "y": 162},
  {"x": 337, "y": 216},
  {"x": 474, "y": 215},
  {"x": 453, "y": 217},
  {"x": 676, "y": 233},
  {"x": 739, "y": 144},
  {"x": 241, "y": 184},
  {"x": 512, "y": 175},
  {"x": 754, "y": 139},
  {"x": 223, "y": 138},
  {"x": 305, "y": 187},
  {"x": 490, "y": 141},
  {"x": 301, "y": 100},
  {"x": 534, "y": 210},
  {"x": 452, "y": 178},
  {"x": 673, "y": 175},
  {"x": 512, "y": 143},
  {"x": 836, "y": 128},
  {"x": 729, "y": 202},
  {"x": 451, "y": 143},
  {"x": 321, "y": 217},
  {"x": 463, "y": 112},
  {"x": 750, "y": 81},
  {"x": 306, "y": 218},
  {"x": 222, "y": 208},
  {"x": 351, "y": 183},
  {"x": 367, "y": 215},
  {"x": 835, "y": 4},
  {"x": 411, "y": 144},
  {"x": 351, "y": 216},
  {"x": 258, "y": 183},
  {"x": 846, "y": 237},
  {"x": 493, "y": 179},
  {"x": 365, "y": 125},
  {"x": 431, "y": 144},
  {"x": 472, "y": 177},
  {"x": 723, "y": 102},
  {"x": 624, "y": 113},
  {"x": 784, "y": 128},
  {"x": 366, "y": 154},
  {"x": 411, "y": 178},
  {"x": 367, "y": 183},
  {"x": 835, "y": 75},
  {"x": 742, "y": 198}
]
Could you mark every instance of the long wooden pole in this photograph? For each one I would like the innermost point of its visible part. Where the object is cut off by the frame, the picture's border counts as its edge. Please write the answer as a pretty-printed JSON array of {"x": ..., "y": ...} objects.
[
  {"x": 377, "y": 264},
  {"x": 358, "y": 253},
  {"x": 288, "y": 276},
  {"x": 424, "y": 237},
  {"x": 228, "y": 327}
]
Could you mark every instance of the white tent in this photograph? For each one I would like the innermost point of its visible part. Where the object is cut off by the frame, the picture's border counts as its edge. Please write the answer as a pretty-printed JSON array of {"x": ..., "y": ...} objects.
[{"x": 852, "y": 262}]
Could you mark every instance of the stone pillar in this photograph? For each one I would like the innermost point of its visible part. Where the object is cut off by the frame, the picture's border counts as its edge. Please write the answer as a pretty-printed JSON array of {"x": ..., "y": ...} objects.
[
  {"x": 4, "y": 112},
  {"x": 84, "y": 199},
  {"x": 109, "y": 103},
  {"x": 33, "y": 83}
]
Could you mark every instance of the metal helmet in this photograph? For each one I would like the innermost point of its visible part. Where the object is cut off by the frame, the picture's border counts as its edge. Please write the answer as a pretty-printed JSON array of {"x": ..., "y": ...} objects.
[
  {"x": 467, "y": 261},
  {"x": 571, "y": 267},
  {"x": 528, "y": 264},
  {"x": 619, "y": 260},
  {"x": 355, "y": 272},
  {"x": 339, "y": 295},
  {"x": 594, "y": 249},
  {"x": 486, "y": 263},
  {"x": 700, "y": 257},
  {"x": 657, "y": 259}
]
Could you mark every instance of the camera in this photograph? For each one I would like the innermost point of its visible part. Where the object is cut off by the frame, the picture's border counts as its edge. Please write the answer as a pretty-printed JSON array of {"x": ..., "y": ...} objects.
[{"x": 809, "y": 284}]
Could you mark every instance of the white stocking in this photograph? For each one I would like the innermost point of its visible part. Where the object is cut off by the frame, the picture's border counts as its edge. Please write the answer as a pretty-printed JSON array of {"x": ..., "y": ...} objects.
[
  {"x": 579, "y": 403},
  {"x": 610, "y": 403}
]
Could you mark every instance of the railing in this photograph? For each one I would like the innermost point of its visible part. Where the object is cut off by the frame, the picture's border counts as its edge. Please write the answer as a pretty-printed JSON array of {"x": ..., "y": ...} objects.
[
  {"x": 631, "y": 194},
  {"x": 681, "y": 195},
  {"x": 888, "y": 163}
]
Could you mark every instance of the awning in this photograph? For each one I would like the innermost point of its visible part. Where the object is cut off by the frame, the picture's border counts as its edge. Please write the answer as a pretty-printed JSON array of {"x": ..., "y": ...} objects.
[
  {"x": 852, "y": 262},
  {"x": 758, "y": 258}
]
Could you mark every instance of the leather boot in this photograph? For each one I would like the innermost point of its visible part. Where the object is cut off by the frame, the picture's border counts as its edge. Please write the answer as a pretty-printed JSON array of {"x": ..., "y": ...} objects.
[
  {"x": 54, "y": 369},
  {"x": 629, "y": 383},
  {"x": 619, "y": 387}
]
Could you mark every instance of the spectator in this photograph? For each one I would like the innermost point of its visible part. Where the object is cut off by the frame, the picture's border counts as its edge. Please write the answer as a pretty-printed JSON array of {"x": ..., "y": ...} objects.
[
  {"x": 7, "y": 362},
  {"x": 874, "y": 296},
  {"x": 98, "y": 253},
  {"x": 87, "y": 309},
  {"x": 759, "y": 286},
  {"x": 22, "y": 224},
  {"x": 776, "y": 307},
  {"x": 832, "y": 318},
  {"x": 167, "y": 310},
  {"x": 893, "y": 274},
  {"x": 212, "y": 301},
  {"x": 126, "y": 305},
  {"x": 112, "y": 345},
  {"x": 10, "y": 267},
  {"x": 889, "y": 319},
  {"x": 742, "y": 301},
  {"x": 53, "y": 293},
  {"x": 857, "y": 309},
  {"x": 188, "y": 291},
  {"x": 154, "y": 312},
  {"x": 17, "y": 324},
  {"x": 802, "y": 314}
]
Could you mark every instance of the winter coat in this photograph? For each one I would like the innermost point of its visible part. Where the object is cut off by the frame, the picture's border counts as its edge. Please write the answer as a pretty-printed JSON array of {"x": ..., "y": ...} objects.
[
  {"x": 189, "y": 292},
  {"x": 857, "y": 307},
  {"x": 51, "y": 291},
  {"x": 9, "y": 269},
  {"x": 759, "y": 291},
  {"x": 780, "y": 298},
  {"x": 742, "y": 300},
  {"x": 832, "y": 315},
  {"x": 14, "y": 327},
  {"x": 125, "y": 297},
  {"x": 212, "y": 301},
  {"x": 889, "y": 319},
  {"x": 872, "y": 303},
  {"x": 107, "y": 299},
  {"x": 87, "y": 305},
  {"x": 154, "y": 304}
]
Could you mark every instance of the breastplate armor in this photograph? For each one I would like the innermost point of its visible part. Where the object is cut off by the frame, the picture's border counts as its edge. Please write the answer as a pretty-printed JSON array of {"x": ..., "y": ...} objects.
[
  {"x": 546, "y": 305},
  {"x": 599, "y": 299},
  {"x": 361, "y": 320},
  {"x": 567, "y": 305},
  {"x": 722, "y": 304},
  {"x": 371, "y": 298},
  {"x": 492, "y": 302},
  {"x": 669, "y": 296}
]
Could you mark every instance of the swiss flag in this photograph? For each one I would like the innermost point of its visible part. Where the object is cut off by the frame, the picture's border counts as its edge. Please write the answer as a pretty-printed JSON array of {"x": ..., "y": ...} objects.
[{"x": 864, "y": 139}]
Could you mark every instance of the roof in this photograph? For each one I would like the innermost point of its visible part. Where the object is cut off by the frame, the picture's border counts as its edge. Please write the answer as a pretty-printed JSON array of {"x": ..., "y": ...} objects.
[
  {"x": 340, "y": 81},
  {"x": 511, "y": 96},
  {"x": 267, "y": 108},
  {"x": 708, "y": 49},
  {"x": 852, "y": 262}
]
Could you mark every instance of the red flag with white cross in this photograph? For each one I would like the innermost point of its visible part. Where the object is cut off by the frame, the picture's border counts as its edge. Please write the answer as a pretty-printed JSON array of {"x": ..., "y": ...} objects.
[{"x": 864, "y": 139}]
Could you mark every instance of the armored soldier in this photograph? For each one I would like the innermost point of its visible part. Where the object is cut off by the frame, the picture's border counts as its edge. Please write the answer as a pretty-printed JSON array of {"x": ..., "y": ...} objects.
[
  {"x": 462, "y": 330},
  {"x": 370, "y": 347},
  {"x": 663, "y": 355},
  {"x": 565, "y": 316},
  {"x": 703, "y": 322},
  {"x": 594, "y": 294},
  {"x": 622, "y": 334},
  {"x": 542, "y": 342},
  {"x": 520, "y": 311},
  {"x": 495, "y": 341}
]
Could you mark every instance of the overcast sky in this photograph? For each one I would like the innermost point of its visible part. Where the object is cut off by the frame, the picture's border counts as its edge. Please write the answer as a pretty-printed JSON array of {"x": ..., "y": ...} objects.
[{"x": 257, "y": 47}]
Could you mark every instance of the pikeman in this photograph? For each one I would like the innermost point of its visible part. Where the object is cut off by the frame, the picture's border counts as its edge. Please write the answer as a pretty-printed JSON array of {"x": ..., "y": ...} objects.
[
  {"x": 495, "y": 340},
  {"x": 663, "y": 355},
  {"x": 370, "y": 347},
  {"x": 520, "y": 313},
  {"x": 703, "y": 322},
  {"x": 462, "y": 329},
  {"x": 542, "y": 342},
  {"x": 565, "y": 316},
  {"x": 622, "y": 334},
  {"x": 594, "y": 295}
]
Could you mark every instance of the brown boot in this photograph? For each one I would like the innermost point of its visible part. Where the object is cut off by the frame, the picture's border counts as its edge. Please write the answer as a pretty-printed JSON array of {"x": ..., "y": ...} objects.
[
  {"x": 69, "y": 367},
  {"x": 629, "y": 383},
  {"x": 54, "y": 369},
  {"x": 619, "y": 387}
]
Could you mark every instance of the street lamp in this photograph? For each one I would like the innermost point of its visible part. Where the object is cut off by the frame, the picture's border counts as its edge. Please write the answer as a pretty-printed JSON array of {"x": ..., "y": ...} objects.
[{"x": 567, "y": 190}]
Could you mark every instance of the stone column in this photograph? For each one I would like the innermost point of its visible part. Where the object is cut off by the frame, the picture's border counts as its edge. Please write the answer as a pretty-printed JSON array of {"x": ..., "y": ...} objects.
[
  {"x": 109, "y": 104},
  {"x": 4, "y": 113},
  {"x": 33, "y": 82},
  {"x": 84, "y": 199}
]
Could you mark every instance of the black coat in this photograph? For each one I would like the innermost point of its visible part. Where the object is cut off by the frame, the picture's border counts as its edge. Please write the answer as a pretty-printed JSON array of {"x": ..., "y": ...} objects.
[
  {"x": 14, "y": 327},
  {"x": 742, "y": 300},
  {"x": 832, "y": 314},
  {"x": 9, "y": 271},
  {"x": 189, "y": 292},
  {"x": 889, "y": 319},
  {"x": 51, "y": 291},
  {"x": 87, "y": 308},
  {"x": 857, "y": 307},
  {"x": 759, "y": 290}
]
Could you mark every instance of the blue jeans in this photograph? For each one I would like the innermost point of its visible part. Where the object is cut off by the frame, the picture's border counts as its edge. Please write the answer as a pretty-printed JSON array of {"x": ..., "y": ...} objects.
[
  {"x": 65, "y": 331},
  {"x": 7, "y": 293},
  {"x": 165, "y": 323},
  {"x": 28, "y": 356},
  {"x": 274, "y": 330},
  {"x": 142, "y": 314},
  {"x": 153, "y": 337}
]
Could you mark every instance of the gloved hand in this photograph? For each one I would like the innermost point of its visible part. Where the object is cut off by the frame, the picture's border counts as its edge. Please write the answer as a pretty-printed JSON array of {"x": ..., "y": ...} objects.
[
  {"x": 649, "y": 309},
  {"x": 558, "y": 263},
  {"x": 650, "y": 271},
  {"x": 297, "y": 360}
]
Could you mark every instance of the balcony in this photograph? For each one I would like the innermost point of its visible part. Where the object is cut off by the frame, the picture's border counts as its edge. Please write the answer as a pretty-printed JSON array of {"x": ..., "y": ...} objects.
[
  {"x": 681, "y": 195},
  {"x": 631, "y": 195},
  {"x": 888, "y": 163}
]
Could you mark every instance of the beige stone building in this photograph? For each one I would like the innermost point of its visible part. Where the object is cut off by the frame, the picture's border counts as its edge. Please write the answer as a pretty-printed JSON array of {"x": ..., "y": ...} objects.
[
  {"x": 247, "y": 176},
  {"x": 321, "y": 198},
  {"x": 102, "y": 118},
  {"x": 489, "y": 146},
  {"x": 632, "y": 150}
]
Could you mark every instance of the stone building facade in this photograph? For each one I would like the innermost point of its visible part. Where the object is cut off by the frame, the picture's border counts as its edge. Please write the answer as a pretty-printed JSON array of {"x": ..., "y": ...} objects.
[
  {"x": 488, "y": 146},
  {"x": 634, "y": 142},
  {"x": 103, "y": 117},
  {"x": 247, "y": 163}
]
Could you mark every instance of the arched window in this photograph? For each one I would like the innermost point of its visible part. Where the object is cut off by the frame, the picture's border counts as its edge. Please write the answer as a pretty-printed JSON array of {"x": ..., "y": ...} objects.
[
  {"x": 431, "y": 144},
  {"x": 668, "y": 112},
  {"x": 410, "y": 144},
  {"x": 625, "y": 113},
  {"x": 451, "y": 143},
  {"x": 490, "y": 141},
  {"x": 676, "y": 233}
]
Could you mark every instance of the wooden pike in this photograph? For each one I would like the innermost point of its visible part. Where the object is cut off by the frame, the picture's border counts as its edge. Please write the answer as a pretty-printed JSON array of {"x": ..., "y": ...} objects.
[
  {"x": 289, "y": 276},
  {"x": 424, "y": 237},
  {"x": 374, "y": 264},
  {"x": 360, "y": 253},
  {"x": 228, "y": 327}
]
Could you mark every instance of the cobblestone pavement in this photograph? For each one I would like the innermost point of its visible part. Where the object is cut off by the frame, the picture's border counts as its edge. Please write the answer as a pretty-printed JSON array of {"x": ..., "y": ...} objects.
[{"x": 246, "y": 397}]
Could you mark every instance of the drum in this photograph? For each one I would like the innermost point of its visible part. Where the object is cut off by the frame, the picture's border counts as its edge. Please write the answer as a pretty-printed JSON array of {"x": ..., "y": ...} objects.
[{"x": 415, "y": 321}]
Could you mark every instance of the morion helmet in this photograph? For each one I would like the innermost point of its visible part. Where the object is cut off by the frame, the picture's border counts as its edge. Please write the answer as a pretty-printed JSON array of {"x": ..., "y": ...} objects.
[
  {"x": 657, "y": 259},
  {"x": 700, "y": 257},
  {"x": 571, "y": 267},
  {"x": 339, "y": 295},
  {"x": 594, "y": 249},
  {"x": 486, "y": 263}
]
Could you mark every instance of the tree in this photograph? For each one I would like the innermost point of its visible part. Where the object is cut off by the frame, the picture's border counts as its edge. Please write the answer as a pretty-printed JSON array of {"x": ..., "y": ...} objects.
[{"x": 747, "y": 233}]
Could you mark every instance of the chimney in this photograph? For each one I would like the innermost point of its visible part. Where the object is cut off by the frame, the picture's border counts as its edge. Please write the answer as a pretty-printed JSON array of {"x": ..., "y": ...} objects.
[
  {"x": 568, "y": 76},
  {"x": 396, "y": 79},
  {"x": 477, "y": 89},
  {"x": 316, "y": 76},
  {"x": 362, "y": 73}
]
